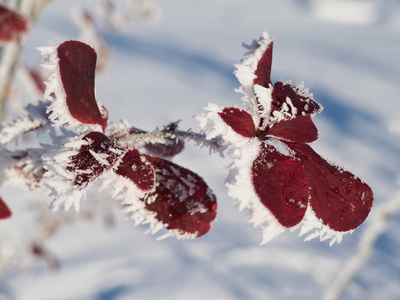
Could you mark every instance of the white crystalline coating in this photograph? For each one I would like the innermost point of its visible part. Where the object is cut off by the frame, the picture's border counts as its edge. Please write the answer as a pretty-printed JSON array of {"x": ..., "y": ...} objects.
[
  {"x": 178, "y": 235},
  {"x": 311, "y": 222},
  {"x": 58, "y": 110},
  {"x": 245, "y": 72},
  {"x": 264, "y": 97},
  {"x": 141, "y": 215},
  {"x": 239, "y": 182},
  {"x": 35, "y": 119},
  {"x": 58, "y": 181},
  {"x": 122, "y": 188},
  {"x": 240, "y": 187},
  {"x": 120, "y": 128},
  {"x": 216, "y": 127},
  {"x": 184, "y": 187},
  {"x": 136, "y": 210},
  {"x": 21, "y": 168}
]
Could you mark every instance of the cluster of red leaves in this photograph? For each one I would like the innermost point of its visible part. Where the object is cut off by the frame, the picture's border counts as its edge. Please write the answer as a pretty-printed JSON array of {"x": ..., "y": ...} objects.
[
  {"x": 175, "y": 196},
  {"x": 12, "y": 24},
  {"x": 287, "y": 183}
]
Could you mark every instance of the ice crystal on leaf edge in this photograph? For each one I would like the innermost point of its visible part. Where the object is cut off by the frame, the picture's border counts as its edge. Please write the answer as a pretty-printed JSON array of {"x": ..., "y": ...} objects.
[
  {"x": 74, "y": 163},
  {"x": 279, "y": 114}
]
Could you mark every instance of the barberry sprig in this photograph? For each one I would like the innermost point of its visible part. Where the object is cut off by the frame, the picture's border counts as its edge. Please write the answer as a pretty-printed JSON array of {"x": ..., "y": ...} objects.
[
  {"x": 273, "y": 164},
  {"x": 153, "y": 189}
]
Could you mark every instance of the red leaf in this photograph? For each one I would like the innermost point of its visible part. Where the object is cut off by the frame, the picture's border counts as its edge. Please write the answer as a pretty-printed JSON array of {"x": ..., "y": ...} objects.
[
  {"x": 5, "y": 212},
  {"x": 303, "y": 104},
  {"x": 77, "y": 69},
  {"x": 170, "y": 148},
  {"x": 281, "y": 184},
  {"x": 135, "y": 167},
  {"x": 339, "y": 198},
  {"x": 239, "y": 120},
  {"x": 11, "y": 24},
  {"x": 182, "y": 200},
  {"x": 86, "y": 166},
  {"x": 263, "y": 71},
  {"x": 300, "y": 129}
]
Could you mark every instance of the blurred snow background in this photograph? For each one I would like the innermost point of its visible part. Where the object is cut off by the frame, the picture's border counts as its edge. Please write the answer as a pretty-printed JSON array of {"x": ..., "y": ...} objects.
[{"x": 346, "y": 52}]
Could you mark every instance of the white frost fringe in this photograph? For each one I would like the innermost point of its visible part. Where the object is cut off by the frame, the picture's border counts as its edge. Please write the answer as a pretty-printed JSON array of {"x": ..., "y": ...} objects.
[
  {"x": 58, "y": 110},
  {"x": 324, "y": 232},
  {"x": 240, "y": 185},
  {"x": 57, "y": 181},
  {"x": 245, "y": 73},
  {"x": 217, "y": 128}
]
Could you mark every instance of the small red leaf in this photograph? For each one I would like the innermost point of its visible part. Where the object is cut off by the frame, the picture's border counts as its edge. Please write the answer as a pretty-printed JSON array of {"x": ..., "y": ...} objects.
[
  {"x": 5, "y": 212},
  {"x": 182, "y": 200},
  {"x": 339, "y": 198},
  {"x": 263, "y": 71},
  {"x": 300, "y": 129},
  {"x": 169, "y": 148},
  {"x": 11, "y": 24},
  {"x": 86, "y": 166},
  {"x": 239, "y": 120},
  {"x": 281, "y": 184},
  {"x": 301, "y": 103},
  {"x": 77, "y": 69},
  {"x": 135, "y": 167}
]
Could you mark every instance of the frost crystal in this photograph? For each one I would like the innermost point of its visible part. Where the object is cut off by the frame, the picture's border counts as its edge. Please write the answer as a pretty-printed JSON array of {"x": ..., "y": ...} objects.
[
  {"x": 72, "y": 101},
  {"x": 275, "y": 175}
]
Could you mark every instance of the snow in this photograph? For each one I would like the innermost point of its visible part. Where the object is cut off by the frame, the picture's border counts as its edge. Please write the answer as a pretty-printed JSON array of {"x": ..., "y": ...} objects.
[
  {"x": 341, "y": 11},
  {"x": 170, "y": 71}
]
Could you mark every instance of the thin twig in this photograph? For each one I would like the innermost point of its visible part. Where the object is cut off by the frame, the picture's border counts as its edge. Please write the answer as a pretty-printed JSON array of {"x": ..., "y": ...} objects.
[
  {"x": 376, "y": 226},
  {"x": 172, "y": 132}
]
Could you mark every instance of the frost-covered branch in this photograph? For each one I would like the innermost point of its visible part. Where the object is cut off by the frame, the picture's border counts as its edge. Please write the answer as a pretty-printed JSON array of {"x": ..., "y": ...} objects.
[
  {"x": 171, "y": 131},
  {"x": 376, "y": 226},
  {"x": 275, "y": 174}
]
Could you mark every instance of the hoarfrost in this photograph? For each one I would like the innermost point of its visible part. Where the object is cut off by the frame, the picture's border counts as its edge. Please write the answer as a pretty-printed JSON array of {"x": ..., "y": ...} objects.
[
  {"x": 35, "y": 119},
  {"x": 311, "y": 222},
  {"x": 240, "y": 187},
  {"x": 245, "y": 72},
  {"x": 58, "y": 110},
  {"x": 217, "y": 128}
]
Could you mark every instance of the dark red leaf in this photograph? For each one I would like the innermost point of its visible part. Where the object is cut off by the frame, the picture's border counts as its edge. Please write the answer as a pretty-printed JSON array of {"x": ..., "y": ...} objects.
[
  {"x": 239, "y": 120},
  {"x": 86, "y": 166},
  {"x": 169, "y": 148},
  {"x": 135, "y": 167},
  {"x": 281, "y": 184},
  {"x": 341, "y": 200},
  {"x": 77, "y": 69},
  {"x": 182, "y": 200},
  {"x": 5, "y": 212},
  {"x": 304, "y": 105},
  {"x": 300, "y": 129},
  {"x": 263, "y": 71},
  {"x": 11, "y": 24}
]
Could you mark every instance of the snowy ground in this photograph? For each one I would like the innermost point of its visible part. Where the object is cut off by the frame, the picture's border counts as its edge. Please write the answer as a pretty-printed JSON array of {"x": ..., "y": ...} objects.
[{"x": 346, "y": 52}]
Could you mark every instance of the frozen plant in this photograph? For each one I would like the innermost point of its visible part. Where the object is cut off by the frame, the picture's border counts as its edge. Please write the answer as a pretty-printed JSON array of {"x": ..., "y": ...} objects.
[{"x": 275, "y": 174}]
